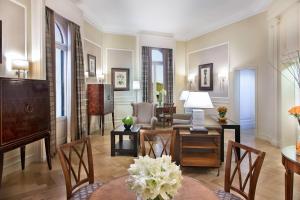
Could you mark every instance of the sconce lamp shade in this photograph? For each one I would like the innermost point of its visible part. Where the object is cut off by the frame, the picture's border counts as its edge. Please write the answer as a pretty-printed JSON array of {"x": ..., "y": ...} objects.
[
  {"x": 100, "y": 76},
  {"x": 136, "y": 85},
  {"x": 20, "y": 65},
  {"x": 198, "y": 100},
  {"x": 184, "y": 95}
]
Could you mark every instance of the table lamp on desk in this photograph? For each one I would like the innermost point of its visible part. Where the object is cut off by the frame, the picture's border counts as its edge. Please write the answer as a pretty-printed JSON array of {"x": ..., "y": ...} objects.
[{"x": 197, "y": 101}]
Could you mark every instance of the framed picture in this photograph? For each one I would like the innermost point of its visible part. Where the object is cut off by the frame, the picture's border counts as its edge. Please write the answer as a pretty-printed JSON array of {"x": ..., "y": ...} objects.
[
  {"x": 91, "y": 65},
  {"x": 0, "y": 42},
  {"x": 206, "y": 79},
  {"x": 120, "y": 79}
]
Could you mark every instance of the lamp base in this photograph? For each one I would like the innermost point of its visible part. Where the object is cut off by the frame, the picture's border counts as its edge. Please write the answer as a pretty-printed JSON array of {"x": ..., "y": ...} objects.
[{"x": 198, "y": 118}]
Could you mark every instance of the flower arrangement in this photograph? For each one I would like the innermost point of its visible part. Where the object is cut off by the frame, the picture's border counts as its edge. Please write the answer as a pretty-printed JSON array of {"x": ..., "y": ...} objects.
[
  {"x": 222, "y": 110},
  {"x": 127, "y": 122},
  {"x": 295, "y": 111},
  {"x": 154, "y": 179},
  {"x": 160, "y": 92}
]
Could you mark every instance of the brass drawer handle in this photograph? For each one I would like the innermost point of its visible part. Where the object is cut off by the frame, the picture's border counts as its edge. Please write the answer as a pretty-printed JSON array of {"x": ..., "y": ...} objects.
[{"x": 28, "y": 108}]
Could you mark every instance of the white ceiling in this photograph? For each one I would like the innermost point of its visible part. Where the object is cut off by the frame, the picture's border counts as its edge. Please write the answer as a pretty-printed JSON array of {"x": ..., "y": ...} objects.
[{"x": 183, "y": 19}]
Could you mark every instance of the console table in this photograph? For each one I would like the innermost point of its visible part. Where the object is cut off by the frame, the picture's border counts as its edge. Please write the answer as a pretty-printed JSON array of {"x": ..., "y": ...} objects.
[
  {"x": 125, "y": 147},
  {"x": 291, "y": 162},
  {"x": 211, "y": 123}
]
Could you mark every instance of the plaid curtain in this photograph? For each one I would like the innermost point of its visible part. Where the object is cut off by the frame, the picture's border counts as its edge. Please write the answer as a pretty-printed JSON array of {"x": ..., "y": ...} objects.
[
  {"x": 50, "y": 75},
  {"x": 168, "y": 74},
  {"x": 147, "y": 74},
  {"x": 81, "y": 115}
]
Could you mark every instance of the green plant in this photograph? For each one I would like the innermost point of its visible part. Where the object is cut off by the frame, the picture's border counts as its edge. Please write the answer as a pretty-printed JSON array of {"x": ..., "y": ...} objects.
[{"x": 127, "y": 120}]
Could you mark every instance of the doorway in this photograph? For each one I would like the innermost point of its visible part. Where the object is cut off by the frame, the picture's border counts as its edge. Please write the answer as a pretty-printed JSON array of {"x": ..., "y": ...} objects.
[{"x": 245, "y": 91}]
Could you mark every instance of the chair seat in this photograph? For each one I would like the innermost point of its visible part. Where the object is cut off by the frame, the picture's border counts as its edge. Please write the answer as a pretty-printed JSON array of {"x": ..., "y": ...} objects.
[
  {"x": 226, "y": 196},
  {"x": 85, "y": 192}
]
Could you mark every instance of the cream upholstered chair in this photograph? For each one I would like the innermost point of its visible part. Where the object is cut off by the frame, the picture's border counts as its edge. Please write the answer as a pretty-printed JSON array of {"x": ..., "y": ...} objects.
[{"x": 144, "y": 115}]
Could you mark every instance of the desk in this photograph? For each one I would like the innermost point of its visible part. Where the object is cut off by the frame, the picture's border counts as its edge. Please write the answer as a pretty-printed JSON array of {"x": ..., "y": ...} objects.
[
  {"x": 159, "y": 110},
  {"x": 291, "y": 162},
  {"x": 118, "y": 189},
  {"x": 211, "y": 122}
]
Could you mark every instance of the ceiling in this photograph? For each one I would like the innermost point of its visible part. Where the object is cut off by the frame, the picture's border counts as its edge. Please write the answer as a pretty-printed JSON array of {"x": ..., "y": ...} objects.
[{"x": 182, "y": 19}]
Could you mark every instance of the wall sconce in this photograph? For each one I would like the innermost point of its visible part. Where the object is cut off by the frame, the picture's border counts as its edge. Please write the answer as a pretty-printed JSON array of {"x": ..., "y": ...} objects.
[
  {"x": 100, "y": 77},
  {"x": 191, "y": 79},
  {"x": 222, "y": 78},
  {"x": 19, "y": 66}
]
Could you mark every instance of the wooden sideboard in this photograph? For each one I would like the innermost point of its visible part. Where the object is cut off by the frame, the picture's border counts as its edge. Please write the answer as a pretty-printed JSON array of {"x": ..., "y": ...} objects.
[
  {"x": 100, "y": 102},
  {"x": 198, "y": 149},
  {"x": 25, "y": 116}
]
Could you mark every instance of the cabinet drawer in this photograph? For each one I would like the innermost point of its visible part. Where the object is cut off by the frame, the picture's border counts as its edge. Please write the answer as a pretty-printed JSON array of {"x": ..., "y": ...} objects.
[{"x": 23, "y": 117}]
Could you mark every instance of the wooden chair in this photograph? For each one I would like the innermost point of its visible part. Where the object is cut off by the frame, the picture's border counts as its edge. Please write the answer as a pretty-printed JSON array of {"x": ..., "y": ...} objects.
[
  {"x": 167, "y": 114},
  {"x": 251, "y": 159},
  {"x": 77, "y": 171},
  {"x": 159, "y": 142}
]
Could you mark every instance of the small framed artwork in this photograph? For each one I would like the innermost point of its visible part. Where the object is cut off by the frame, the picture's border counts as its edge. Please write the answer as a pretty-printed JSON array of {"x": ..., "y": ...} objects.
[
  {"x": 91, "y": 65},
  {"x": 206, "y": 79},
  {"x": 120, "y": 79},
  {"x": 0, "y": 42}
]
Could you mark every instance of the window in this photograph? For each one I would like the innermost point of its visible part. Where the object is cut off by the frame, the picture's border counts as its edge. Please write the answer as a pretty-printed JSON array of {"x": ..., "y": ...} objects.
[
  {"x": 157, "y": 70},
  {"x": 61, "y": 54}
]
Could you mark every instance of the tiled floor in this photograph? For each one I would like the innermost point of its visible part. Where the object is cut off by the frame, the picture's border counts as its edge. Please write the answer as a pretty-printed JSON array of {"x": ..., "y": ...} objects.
[{"x": 37, "y": 182}]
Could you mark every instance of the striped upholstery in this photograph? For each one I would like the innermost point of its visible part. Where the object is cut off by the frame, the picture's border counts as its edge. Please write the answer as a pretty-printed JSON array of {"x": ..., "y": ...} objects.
[
  {"x": 226, "y": 196},
  {"x": 85, "y": 192}
]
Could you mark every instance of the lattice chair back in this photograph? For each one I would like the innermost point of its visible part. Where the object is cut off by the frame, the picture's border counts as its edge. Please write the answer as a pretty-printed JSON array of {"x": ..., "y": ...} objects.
[
  {"x": 156, "y": 143},
  {"x": 241, "y": 174},
  {"x": 77, "y": 164}
]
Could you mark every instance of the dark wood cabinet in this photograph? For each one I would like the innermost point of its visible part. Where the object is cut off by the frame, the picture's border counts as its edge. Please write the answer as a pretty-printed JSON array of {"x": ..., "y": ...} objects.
[
  {"x": 100, "y": 102},
  {"x": 25, "y": 116}
]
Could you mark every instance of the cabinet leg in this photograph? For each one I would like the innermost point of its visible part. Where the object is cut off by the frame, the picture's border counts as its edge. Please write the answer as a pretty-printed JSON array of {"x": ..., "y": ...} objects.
[
  {"x": 22, "y": 152},
  {"x": 1, "y": 166},
  {"x": 113, "y": 119},
  {"x": 47, "y": 146},
  {"x": 100, "y": 125},
  {"x": 88, "y": 124},
  {"x": 102, "y": 116},
  {"x": 222, "y": 145},
  {"x": 289, "y": 184}
]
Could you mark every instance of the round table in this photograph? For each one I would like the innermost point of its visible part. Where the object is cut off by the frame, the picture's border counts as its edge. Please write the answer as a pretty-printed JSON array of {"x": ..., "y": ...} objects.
[
  {"x": 291, "y": 162},
  {"x": 191, "y": 189}
]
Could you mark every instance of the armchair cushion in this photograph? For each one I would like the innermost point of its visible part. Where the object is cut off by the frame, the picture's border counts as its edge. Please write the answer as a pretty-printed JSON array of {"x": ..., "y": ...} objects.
[{"x": 143, "y": 114}]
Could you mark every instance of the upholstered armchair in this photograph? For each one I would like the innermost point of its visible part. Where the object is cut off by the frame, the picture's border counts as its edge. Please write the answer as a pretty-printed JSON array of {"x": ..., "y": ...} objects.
[{"x": 144, "y": 115}]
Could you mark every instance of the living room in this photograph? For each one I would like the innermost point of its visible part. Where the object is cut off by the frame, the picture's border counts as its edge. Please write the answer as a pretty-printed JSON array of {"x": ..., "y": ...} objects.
[{"x": 214, "y": 77}]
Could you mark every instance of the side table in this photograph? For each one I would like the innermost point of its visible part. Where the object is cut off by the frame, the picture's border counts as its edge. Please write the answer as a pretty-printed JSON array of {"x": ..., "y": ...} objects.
[{"x": 125, "y": 147}]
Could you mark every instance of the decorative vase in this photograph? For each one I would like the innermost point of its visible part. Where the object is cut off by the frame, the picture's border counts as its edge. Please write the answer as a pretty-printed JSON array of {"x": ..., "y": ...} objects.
[
  {"x": 160, "y": 98},
  {"x": 298, "y": 140},
  {"x": 138, "y": 197},
  {"x": 222, "y": 119},
  {"x": 127, "y": 127}
]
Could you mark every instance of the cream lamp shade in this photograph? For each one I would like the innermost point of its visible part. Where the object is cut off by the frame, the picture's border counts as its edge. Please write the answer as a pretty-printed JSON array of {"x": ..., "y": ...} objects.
[
  {"x": 198, "y": 100},
  {"x": 184, "y": 95},
  {"x": 20, "y": 65},
  {"x": 136, "y": 85}
]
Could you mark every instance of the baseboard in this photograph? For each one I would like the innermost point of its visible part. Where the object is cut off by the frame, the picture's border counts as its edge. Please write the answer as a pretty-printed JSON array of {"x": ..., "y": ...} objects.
[{"x": 13, "y": 163}]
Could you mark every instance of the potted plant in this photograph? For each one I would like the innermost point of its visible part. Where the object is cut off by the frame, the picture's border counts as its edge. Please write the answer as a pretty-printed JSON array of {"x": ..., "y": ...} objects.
[
  {"x": 222, "y": 110},
  {"x": 160, "y": 93},
  {"x": 127, "y": 122},
  {"x": 154, "y": 179}
]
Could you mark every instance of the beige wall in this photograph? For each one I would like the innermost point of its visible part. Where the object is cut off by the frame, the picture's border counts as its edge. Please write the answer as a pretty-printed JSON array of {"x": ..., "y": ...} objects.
[
  {"x": 180, "y": 75},
  {"x": 248, "y": 42}
]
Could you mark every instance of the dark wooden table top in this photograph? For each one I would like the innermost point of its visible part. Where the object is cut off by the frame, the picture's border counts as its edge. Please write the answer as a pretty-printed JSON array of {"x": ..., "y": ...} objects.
[
  {"x": 133, "y": 129},
  {"x": 118, "y": 189}
]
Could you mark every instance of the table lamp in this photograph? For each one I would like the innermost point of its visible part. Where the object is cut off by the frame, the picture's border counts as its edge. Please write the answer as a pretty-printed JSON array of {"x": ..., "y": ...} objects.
[
  {"x": 20, "y": 65},
  {"x": 136, "y": 86},
  {"x": 198, "y": 101}
]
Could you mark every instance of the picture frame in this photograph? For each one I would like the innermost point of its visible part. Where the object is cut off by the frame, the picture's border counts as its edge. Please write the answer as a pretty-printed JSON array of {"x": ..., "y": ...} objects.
[
  {"x": 120, "y": 79},
  {"x": 92, "y": 67},
  {"x": 0, "y": 41},
  {"x": 206, "y": 78}
]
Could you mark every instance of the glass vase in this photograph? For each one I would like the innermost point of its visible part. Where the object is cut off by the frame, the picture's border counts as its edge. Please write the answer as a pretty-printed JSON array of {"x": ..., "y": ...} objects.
[{"x": 298, "y": 140}]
